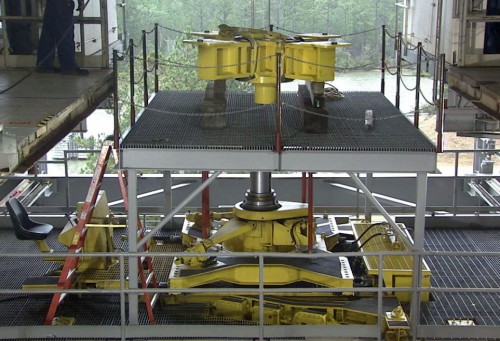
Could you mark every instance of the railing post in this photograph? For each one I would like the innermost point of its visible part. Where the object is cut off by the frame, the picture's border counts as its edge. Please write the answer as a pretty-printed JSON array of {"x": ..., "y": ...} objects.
[
  {"x": 399, "y": 41},
  {"x": 416, "y": 115},
  {"x": 441, "y": 104},
  {"x": 157, "y": 42},
  {"x": 132, "y": 83},
  {"x": 116, "y": 123},
  {"x": 145, "y": 68},
  {"x": 382, "y": 64}
]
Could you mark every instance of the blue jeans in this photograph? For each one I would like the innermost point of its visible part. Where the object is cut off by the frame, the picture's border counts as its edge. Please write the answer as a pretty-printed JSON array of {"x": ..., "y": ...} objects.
[{"x": 58, "y": 33}]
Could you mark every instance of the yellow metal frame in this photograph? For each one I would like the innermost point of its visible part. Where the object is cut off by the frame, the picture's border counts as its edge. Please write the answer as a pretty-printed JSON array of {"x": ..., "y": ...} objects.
[
  {"x": 250, "y": 54},
  {"x": 397, "y": 269}
]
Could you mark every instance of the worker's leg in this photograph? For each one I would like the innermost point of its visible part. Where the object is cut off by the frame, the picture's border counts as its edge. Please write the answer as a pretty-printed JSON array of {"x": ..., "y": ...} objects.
[
  {"x": 47, "y": 42},
  {"x": 66, "y": 35}
]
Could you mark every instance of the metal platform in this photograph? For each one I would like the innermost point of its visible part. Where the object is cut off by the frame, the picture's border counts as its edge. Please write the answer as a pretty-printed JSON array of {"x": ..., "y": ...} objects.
[
  {"x": 38, "y": 109},
  {"x": 480, "y": 85},
  {"x": 168, "y": 135},
  {"x": 454, "y": 272}
]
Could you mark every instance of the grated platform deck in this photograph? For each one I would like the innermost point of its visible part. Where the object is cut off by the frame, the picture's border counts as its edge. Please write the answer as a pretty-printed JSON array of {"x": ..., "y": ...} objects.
[
  {"x": 169, "y": 134},
  {"x": 456, "y": 272}
]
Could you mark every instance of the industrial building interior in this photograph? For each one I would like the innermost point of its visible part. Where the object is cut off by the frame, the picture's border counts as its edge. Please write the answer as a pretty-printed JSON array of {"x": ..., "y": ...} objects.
[{"x": 288, "y": 212}]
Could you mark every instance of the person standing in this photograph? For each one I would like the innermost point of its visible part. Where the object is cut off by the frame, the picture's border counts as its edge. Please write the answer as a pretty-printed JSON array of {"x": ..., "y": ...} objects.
[{"x": 58, "y": 33}]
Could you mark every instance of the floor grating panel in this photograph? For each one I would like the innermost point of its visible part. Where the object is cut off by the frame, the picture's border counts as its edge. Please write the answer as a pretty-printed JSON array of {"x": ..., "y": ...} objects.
[
  {"x": 461, "y": 272},
  {"x": 455, "y": 272},
  {"x": 173, "y": 121}
]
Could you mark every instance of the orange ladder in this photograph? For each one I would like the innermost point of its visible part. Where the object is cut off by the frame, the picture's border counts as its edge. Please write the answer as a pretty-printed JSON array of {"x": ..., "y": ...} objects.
[
  {"x": 70, "y": 265},
  {"x": 151, "y": 278}
]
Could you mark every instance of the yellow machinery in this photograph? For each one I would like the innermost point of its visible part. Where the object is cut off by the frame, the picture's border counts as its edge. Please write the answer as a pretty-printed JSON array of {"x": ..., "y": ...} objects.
[
  {"x": 254, "y": 55},
  {"x": 261, "y": 223},
  {"x": 99, "y": 239}
]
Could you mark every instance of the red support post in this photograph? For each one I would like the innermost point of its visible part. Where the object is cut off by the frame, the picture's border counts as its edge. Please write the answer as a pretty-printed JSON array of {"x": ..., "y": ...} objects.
[{"x": 310, "y": 230}]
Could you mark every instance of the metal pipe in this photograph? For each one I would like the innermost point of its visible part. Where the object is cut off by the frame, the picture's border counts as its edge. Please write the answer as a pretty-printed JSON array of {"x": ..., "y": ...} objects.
[
  {"x": 132, "y": 83},
  {"x": 116, "y": 122},
  {"x": 123, "y": 316},
  {"x": 133, "y": 269},
  {"x": 157, "y": 42},
  {"x": 368, "y": 205},
  {"x": 418, "y": 236},
  {"x": 310, "y": 209},
  {"x": 437, "y": 48},
  {"x": 416, "y": 114},
  {"x": 381, "y": 209},
  {"x": 145, "y": 68},
  {"x": 382, "y": 64},
  {"x": 441, "y": 105},
  {"x": 179, "y": 207},
  {"x": 379, "y": 296},
  {"x": 399, "y": 43}
]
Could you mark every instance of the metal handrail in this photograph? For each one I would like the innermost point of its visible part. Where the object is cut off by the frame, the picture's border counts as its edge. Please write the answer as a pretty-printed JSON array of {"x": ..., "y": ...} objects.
[{"x": 261, "y": 290}]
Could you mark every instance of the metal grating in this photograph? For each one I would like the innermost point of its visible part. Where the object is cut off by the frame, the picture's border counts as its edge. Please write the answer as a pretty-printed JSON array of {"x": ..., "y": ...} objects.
[
  {"x": 461, "y": 272},
  {"x": 454, "y": 272},
  {"x": 173, "y": 121}
]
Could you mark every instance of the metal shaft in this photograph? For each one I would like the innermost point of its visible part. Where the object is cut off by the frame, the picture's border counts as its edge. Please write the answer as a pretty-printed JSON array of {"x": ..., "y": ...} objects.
[
  {"x": 260, "y": 182},
  {"x": 260, "y": 196}
]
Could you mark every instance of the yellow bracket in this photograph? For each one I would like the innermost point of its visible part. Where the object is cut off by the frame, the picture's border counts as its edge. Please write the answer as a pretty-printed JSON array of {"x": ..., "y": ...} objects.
[{"x": 250, "y": 54}]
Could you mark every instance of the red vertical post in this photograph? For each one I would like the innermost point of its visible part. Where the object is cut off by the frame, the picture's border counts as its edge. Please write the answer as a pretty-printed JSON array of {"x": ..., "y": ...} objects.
[
  {"x": 205, "y": 207},
  {"x": 304, "y": 187},
  {"x": 310, "y": 230}
]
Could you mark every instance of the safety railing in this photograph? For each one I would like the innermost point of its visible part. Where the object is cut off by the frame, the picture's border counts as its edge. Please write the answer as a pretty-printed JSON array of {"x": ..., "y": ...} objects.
[{"x": 439, "y": 327}]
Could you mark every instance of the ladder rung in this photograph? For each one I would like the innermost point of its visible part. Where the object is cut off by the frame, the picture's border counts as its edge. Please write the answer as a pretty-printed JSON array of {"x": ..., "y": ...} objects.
[
  {"x": 70, "y": 273},
  {"x": 79, "y": 250},
  {"x": 150, "y": 278},
  {"x": 154, "y": 299},
  {"x": 63, "y": 295}
]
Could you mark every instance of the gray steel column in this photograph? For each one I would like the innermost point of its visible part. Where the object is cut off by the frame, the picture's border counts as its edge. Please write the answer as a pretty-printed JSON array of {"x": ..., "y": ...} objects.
[
  {"x": 133, "y": 302},
  {"x": 419, "y": 234},
  {"x": 167, "y": 178},
  {"x": 368, "y": 204}
]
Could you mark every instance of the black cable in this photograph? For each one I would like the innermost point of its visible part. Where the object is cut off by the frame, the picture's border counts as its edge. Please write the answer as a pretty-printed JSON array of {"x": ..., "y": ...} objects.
[
  {"x": 367, "y": 229},
  {"x": 371, "y": 237}
]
